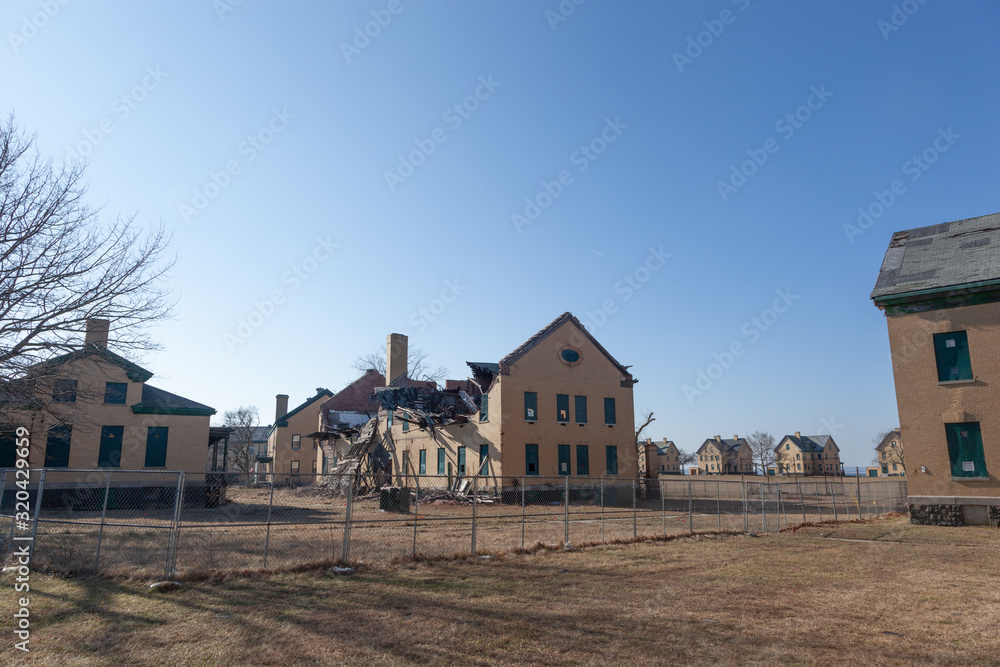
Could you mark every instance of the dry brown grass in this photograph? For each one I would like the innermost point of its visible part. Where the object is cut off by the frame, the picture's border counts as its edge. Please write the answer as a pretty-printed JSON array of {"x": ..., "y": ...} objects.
[{"x": 882, "y": 592}]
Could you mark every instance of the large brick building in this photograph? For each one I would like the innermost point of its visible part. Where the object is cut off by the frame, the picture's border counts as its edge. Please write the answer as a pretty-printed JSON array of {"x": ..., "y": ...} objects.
[
  {"x": 939, "y": 287},
  {"x": 558, "y": 405}
]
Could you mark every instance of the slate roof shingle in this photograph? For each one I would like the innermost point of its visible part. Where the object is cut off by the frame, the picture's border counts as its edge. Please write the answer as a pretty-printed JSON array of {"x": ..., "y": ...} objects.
[{"x": 962, "y": 253}]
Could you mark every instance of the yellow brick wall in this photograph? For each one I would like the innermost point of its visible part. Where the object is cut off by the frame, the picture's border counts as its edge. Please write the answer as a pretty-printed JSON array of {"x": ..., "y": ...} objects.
[
  {"x": 925, "y": 406},
  {"x": 187, "y": 436}
]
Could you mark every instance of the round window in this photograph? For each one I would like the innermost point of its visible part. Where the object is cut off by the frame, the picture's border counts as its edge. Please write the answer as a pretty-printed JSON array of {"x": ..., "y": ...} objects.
[{"x": 571, "y": 356}]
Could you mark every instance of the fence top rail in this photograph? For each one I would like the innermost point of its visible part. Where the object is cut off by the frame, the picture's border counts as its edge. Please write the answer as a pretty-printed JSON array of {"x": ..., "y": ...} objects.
[{"x": 117, "y": 471}]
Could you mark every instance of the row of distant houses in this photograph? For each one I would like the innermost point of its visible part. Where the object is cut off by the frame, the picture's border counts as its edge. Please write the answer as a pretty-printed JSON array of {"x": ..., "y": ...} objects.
[{"x": 794, "y": 455}]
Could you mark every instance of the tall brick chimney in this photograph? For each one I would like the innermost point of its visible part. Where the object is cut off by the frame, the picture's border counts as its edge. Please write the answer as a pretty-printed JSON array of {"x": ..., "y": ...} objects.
[
  {"x": 97, "y": 333},
  {"x": 395, "y": 358},
  {"x": 280, "y": 406}
]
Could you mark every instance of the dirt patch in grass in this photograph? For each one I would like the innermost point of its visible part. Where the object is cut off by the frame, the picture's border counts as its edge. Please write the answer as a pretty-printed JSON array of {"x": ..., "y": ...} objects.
[{"x": 792, "y": 598}]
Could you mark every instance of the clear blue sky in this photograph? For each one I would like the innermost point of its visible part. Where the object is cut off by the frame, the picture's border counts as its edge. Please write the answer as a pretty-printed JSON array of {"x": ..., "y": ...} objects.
[{"x": 160, "y": 97}]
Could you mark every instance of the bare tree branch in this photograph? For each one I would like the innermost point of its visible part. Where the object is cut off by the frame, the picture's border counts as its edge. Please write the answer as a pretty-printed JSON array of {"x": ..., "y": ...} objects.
[
  {"x": 61, "y": 264},
  {"x": 243, "y": 420},
  {"x": 416, "y": 365},
  {"x": 762, "y": 450},
  {"x": 648, "y": 419}
]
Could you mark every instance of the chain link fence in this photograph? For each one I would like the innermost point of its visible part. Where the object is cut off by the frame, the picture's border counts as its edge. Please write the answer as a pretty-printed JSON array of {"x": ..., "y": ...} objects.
[{"x": 152, "y": 524}]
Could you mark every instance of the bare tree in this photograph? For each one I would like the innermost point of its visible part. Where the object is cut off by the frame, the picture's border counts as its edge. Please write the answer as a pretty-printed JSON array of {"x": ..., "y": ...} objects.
[
  {"x": 61, "y": 265},
  {"x": 761, "y": 446},
  {"x": 686, "y": 458},
  {"x": 647, "y": 419},
  {"x": 416, "y": 365},
  {"x": 244, "y": 420}
]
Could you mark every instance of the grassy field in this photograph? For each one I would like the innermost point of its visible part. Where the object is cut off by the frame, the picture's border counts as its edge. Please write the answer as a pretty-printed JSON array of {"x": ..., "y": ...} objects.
[{"x": 882, "y": 592}]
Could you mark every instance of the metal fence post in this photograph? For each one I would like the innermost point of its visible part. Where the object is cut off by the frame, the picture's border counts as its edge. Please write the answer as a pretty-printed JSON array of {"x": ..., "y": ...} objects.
[
  {"x": 100, "y": 532},
  {"x": 819, "y": 508},
  {"x": 635, "y": 528},
  {"x": 781, "y": 511},
  {"x": 346, "y": 551},
  {"x": 174, "y": 527},
  {"x": 475, "y": 502},
  {"x": 38, "y": 509},
  {"x": 566, "y": 520},
  {"x": 416, "y": 514},
  {"x": 602, "y": 509},
  {"x": 718, "y": 502},
  {"x": 763, "y": 513},
  {"x": 267, "y": 533},
  {"x": 663, "y": 506},
  {"x": 833, "y": 493},
  {"x": 522, "y": 512},
  {"x": 746, "y": 514},
  {"x": 690, "y": 510}
]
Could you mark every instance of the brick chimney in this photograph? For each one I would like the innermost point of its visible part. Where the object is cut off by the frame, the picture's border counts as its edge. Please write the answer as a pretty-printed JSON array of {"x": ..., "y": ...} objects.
[
  {"x": 735, "y": 437},
  {"x": 395, "y": 358},
  {"x": 798, "y": 435},
  {"x": 97, "y": 333},
  {"x": 718, "y": 438},
  {"x": 280, "y": 406}
]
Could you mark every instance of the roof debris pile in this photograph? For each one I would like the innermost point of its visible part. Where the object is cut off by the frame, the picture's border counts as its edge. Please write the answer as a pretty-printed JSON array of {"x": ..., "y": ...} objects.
[{"x": 427, "y": 408}]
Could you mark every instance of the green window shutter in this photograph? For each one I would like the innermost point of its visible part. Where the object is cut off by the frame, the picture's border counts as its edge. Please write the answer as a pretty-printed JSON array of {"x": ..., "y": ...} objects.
[
  {"x": 484, "y": 456},
  {"x": 965, "y": 449},
  {"x": 8, "y": 446},
  {"x": 484, "y": 408},
  {"x": 530, "y": 406},
  {"x": 110, "y": 455},
  {"x": 441, "y": 459},
  {"x": 114, "y": 393},
  {"x": 57, "y": 447},
  {"x": 611, "y": 453},
  {"x": 388, "y": 421},
  {"x": 156, "y": 447},
  {"x": 461, "y": 460},
  {"x": 406, "y": 424},
  {"x": 564, "y": 459},
  {"x": 562, "y": 407},
  {"x": 582, "y": 460},
  {"x": 952, "y": 355},
  {"x": 581, "y": 409},
  {"x": 609, "y": 411},
  {"x": 531, "y": 459},
  {"x": 423, "y": 461}
]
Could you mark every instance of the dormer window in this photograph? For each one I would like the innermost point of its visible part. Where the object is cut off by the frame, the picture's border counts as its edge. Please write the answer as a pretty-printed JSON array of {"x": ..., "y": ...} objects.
[
  {"x": 64, "y": 391},
  {"x": 114, "y": 393}
]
